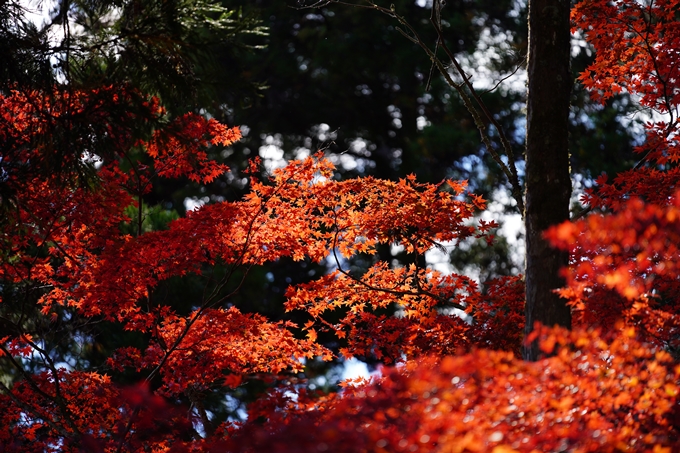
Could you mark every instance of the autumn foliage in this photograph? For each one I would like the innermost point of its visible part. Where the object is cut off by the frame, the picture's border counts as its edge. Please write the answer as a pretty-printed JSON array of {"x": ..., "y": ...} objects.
[
  {"x": 636, "y": 52},
  {"x": 68, "y": 261},
  {"x": 590, "y": 396}
]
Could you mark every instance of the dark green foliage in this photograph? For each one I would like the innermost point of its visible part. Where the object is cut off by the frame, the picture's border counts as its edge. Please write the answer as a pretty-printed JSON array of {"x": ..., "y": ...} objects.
[
  {"x": 351, "y": 69},
  {"x": 163, "y": 48},
  {"x": 601, "y": 138}
]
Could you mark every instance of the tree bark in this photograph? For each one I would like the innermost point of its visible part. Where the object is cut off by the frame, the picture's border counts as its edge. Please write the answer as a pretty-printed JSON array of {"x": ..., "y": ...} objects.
[{"x": 548, "y": 184}]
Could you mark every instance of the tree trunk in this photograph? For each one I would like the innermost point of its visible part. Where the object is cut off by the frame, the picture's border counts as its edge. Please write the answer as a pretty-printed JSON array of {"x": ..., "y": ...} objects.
[{"x": 548, "y": 184}]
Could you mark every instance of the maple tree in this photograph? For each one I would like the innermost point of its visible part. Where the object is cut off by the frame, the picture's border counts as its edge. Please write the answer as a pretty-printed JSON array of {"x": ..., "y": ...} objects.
[
  {"x": 69, "y": 261},
  {"x": 68, "y": 254}
]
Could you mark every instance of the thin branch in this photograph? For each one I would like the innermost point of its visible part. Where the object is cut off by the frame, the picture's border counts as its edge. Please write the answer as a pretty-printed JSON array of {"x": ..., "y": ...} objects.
[
  {"x": 505, "y": 143},
  {"x": 503, "y": 79},
  {"x": 436, "y": 9},
  {"x": 32, "y": 410},
  {"x": 26, "y": 375},
  {"x": 421, "y": 292},
  {"x": 58, "y": 398}
]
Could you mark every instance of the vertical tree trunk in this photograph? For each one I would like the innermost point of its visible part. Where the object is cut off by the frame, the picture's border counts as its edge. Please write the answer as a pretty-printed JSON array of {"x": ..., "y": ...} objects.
[{"x": 548, "y": 185}]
